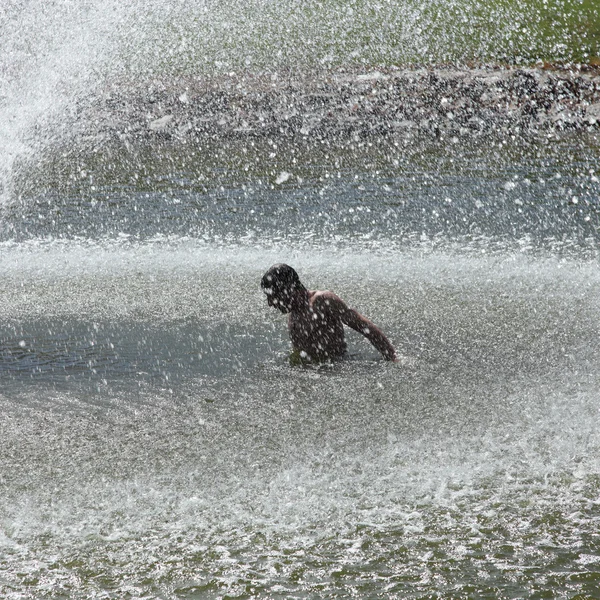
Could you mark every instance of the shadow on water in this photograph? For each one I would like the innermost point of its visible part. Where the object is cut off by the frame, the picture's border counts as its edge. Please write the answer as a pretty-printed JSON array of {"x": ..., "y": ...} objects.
[{"x": 57, "y": 352}]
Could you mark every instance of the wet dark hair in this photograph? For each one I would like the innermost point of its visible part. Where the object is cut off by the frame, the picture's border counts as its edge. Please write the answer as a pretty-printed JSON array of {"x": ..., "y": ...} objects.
[{"x": 281, "y": 277}]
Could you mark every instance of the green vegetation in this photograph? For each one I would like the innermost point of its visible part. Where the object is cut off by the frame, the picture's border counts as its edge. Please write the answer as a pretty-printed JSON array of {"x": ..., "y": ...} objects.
[{"x": 257, "y": 35}]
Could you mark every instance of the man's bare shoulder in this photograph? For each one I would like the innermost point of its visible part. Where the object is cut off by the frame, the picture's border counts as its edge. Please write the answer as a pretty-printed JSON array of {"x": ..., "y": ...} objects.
[{"x": 321, "y": 299}]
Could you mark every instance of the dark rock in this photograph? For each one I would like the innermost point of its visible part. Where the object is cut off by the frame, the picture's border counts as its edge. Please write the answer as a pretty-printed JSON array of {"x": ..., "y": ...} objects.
[{"x": 329, "y": 104}]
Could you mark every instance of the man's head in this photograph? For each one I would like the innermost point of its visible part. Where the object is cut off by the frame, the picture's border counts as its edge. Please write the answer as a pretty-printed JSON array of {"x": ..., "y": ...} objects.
[{"x": 281, "y": 284}]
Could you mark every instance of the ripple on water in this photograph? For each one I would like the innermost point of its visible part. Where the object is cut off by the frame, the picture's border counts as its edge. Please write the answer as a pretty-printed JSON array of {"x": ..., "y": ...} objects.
[{"x": 285, "y": 494}]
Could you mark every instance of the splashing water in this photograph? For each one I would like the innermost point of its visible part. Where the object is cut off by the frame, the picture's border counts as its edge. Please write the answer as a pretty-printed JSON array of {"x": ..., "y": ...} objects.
[
  {"x": 55, "y": 54},
  {"x": 156, "y": 441}
]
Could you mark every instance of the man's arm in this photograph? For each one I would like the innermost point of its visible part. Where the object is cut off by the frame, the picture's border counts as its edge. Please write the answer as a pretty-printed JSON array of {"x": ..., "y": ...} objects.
[{"x": 356, "y": 321}]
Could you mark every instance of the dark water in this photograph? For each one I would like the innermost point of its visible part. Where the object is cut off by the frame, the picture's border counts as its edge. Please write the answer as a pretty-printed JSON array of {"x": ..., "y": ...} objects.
[{"x": 545, "y": 190}]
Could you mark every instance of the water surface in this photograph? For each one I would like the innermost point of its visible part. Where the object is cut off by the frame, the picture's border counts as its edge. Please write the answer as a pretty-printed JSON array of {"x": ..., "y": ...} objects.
[{"x": 157, "y": 441}]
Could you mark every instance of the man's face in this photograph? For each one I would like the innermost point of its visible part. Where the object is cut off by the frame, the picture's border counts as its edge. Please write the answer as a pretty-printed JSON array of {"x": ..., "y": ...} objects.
[{"x": 279, "y": 299}]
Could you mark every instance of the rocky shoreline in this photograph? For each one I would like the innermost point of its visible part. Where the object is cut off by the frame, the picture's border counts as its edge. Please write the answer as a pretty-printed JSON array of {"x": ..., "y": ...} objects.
[{"x": 346, "y": 103}]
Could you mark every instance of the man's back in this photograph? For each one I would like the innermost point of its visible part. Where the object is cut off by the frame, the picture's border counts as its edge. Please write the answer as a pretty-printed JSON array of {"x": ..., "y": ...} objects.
[{"x": 316, "y": 328}]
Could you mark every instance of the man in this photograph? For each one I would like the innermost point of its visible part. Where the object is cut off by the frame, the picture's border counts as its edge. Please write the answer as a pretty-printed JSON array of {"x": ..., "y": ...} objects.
[{"x": 316, "y": 319}]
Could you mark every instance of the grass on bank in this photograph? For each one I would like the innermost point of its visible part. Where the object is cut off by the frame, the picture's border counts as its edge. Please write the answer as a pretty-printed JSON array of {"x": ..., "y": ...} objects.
[{"x": 256, "y": 34}]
